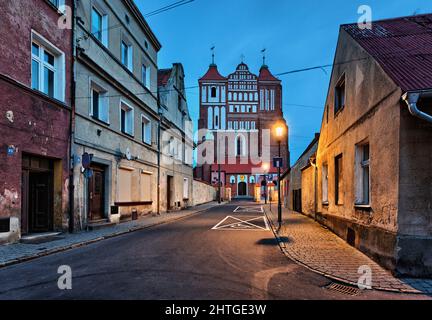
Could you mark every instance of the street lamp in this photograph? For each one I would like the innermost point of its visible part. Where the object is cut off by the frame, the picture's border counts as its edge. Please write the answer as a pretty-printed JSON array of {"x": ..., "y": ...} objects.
[{"x": 279, "y": 133}]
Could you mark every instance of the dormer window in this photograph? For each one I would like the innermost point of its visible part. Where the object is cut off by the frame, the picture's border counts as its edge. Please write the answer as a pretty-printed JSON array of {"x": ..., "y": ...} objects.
[{"x": 340, "y": 95}]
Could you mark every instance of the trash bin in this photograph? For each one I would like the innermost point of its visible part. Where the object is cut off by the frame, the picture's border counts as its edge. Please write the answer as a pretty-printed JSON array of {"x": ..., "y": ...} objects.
[{"x": 134, "y": 214}]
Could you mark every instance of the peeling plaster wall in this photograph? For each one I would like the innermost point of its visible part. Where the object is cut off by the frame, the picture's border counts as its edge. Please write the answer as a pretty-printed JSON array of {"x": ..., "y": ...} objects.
[
  {"x": 29, "y": 121},
  {"x": 372, "y": 113}
]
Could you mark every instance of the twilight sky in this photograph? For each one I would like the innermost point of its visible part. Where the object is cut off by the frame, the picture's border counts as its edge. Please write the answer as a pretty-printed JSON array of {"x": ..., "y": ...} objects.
[{"x": 296, "y": 34}]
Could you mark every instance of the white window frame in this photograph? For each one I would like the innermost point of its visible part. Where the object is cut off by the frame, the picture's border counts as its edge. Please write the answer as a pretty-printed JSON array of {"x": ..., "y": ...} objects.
[
  {"x": 104, "y": 25},
  {"x": 363, "y": 191},
  {"x": 131, "y": 109},
  {"x": 129, "y": 62},
  {"x": 103, "y": 101},
  {"x": 185, "y": 188},
  {"x": 59, "y": 67},
  {"x": 146, "y": 80},
  {"x": 144, "y": 137},
  {"x": 324, "y": 179}
]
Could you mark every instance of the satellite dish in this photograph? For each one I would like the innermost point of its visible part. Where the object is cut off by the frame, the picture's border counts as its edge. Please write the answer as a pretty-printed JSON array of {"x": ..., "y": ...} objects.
[{"x": 128, "y": 154}]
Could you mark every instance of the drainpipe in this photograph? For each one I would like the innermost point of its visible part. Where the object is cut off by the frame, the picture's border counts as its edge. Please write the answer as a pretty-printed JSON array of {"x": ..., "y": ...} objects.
[
  {"x": 159, "y": 154},
  {"x": 411, "y": 99},
  {"x": 72, "y": 126},
  {"x": 315, "y": 166}
]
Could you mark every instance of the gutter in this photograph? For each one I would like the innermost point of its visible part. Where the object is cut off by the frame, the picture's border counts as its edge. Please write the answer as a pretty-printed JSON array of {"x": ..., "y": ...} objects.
[{"x": 411, "y": 99}]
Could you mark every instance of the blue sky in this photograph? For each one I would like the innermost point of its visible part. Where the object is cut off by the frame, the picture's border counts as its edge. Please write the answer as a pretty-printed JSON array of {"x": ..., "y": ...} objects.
[{"x": 296, "y": 34}]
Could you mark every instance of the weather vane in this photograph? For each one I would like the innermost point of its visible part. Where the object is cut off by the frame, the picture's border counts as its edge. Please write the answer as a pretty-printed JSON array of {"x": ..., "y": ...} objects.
[
  {"x": 242, "y": 57},
  {"x": 263, "y": 51},
  {"x": 213, "y": 55}
]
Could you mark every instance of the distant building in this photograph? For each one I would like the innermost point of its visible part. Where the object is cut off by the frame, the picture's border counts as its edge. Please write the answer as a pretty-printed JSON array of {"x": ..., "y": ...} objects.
[
  {"x": 117, "y": 113},
  {"x": 235, "y": 112},
  {"x": 375, "y": 151},
  {"x": 300, "y": 181},
  {"x": 177, "y": 139},
  {"x": 35, "y": 109}
]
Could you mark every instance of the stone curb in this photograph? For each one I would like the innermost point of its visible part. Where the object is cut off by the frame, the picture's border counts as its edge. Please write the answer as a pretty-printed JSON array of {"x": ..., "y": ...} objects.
[
  {"x": 91, "y": 241},
  {"x": 282, "y": 247}
]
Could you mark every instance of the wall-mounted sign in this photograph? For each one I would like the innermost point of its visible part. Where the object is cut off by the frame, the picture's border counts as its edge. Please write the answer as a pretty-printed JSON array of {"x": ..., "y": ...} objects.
[{"x": 11, "y": 150}]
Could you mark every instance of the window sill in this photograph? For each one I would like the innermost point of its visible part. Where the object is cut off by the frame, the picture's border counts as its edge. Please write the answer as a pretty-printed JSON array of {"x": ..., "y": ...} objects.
[
  {"x": 339, "y": 111},
  {"x": 100, "y": 121},
  {"x": 364, "y": 207},
  {"x": 325, "y": 204},
  {"x": 128, "y": 134}
]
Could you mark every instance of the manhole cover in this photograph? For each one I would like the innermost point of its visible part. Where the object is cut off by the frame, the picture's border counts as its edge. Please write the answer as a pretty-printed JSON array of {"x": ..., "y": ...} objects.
[{"x": 343, "y": 289}]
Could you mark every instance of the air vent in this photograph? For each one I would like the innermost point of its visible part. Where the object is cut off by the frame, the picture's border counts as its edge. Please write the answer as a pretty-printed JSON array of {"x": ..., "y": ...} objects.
[
  {"x": 343, "y": 289},
  {"x": 5, "y": 225}
]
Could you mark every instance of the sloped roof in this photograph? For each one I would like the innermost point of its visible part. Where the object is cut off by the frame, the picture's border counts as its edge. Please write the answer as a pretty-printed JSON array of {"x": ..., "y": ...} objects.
[
  {"x": 402, "y": 47},
  {"x": 213, "y": 74},
  {"x": 163, "y": 77},
  {"x": 266, "y": 75}
]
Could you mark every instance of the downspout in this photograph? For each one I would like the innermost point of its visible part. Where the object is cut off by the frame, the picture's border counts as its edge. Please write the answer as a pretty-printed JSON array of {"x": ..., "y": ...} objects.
[
  {"x": 411, "y": 99},
  {"x": 72, "y": 127},
  {"x": 159, "y": 154},
  {"x": 315, "y": 166}
]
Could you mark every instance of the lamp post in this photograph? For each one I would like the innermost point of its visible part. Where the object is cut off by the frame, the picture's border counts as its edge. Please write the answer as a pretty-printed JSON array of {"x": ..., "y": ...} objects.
[
  {"x": 265, "y": 167},
  {"x": 279, "y": 130}
]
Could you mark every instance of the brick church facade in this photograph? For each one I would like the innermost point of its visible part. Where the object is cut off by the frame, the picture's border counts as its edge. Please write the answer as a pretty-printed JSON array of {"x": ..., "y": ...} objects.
[{"x": 236, "y": 139}]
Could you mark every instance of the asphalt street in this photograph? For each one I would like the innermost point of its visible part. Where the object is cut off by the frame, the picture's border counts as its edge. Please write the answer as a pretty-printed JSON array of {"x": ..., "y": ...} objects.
[{"x": 225, "y": 253}]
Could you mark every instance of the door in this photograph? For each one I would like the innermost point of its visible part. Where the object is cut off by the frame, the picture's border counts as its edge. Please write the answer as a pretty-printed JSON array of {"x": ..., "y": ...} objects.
[
  {"x": 170, "y": 187},
  {"x": 242, "y": 189},
  {"x": 40, "y": 202},
  {"x": 97, "y": 194}
]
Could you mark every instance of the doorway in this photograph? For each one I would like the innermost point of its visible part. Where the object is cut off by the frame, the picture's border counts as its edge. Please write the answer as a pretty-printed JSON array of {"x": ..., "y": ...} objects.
[
  {"x": 96, "y": 193},
  {"x": 37, "y": 195},
  {"x": 170, "y": 189},
  {"x": 242, "y": 189}
]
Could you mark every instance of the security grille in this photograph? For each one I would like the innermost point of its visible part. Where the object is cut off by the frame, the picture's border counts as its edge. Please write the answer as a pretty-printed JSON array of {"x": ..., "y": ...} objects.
[{"x": 343, "y": 289}]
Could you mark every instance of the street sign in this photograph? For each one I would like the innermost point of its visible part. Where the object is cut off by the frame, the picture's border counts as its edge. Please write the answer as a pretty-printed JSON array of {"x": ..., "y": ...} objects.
[
  {"x": 86, "y": 160},
  {"x": 277, "y": 162}
]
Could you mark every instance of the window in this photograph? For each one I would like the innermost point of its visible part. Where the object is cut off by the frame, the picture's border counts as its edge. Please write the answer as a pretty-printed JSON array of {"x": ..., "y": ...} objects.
[
  {"x": 240, "y": 146},
  {"x": 213, "y": 92},
  {"x": 146, "y": 130},
  {"x": 146, "y": 186},
  {"x": 126, "y": 118},
  {"x": 145, "y": 76},
  {"x": 47, "y": 69},
  {"x": 339, "y": 180},
  {"x": 126, "y": 55},
  {"x": 124, "y": 185},
  {"x": 324, "y": 178},
  {"x": 99, "y": 103},
  {"x": 171, "y": 146},
  {"x": 340, "y": 95},
  {"x": 179, "y": 102},
  {"x": 232, "y": 180},
  {"x": 362, "y": 174},
  {"x": 185, "y": 188},
  {"x": 57, "y": 3}
]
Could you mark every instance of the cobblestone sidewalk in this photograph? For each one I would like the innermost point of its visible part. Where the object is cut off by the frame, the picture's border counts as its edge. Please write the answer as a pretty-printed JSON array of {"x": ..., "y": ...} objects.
[
  {"x": 319, "y": 249},
  {"x": 19, "y": 252}
]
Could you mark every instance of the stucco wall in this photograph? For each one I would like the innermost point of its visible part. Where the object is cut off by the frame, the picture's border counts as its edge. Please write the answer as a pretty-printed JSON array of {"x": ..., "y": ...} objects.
[
  {"x": 372, "y": 114},
  {"x": 203, "y": 193},
  {"x": 308, "y": 190}
]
